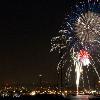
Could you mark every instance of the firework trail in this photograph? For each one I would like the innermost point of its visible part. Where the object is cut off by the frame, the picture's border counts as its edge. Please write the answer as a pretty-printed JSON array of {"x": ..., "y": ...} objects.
[{"x": 80, "y": 35}]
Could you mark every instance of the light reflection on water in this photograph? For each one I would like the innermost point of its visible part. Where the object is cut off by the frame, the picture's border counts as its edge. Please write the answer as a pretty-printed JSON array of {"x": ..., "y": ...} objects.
[{"x": 81, "y": 97}]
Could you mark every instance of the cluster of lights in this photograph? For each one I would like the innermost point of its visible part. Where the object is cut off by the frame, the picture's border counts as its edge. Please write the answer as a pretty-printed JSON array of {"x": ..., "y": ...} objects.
[
  {"x": 65, "y": 92},
  {"x": 34, "y": 92},
  {"x": 13, "y": 91},
  {"x": 53, "y": 92}
]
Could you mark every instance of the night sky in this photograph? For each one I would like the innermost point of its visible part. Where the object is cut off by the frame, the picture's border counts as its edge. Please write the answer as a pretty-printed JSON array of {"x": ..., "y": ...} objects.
[{"x": 26, "y": 27}]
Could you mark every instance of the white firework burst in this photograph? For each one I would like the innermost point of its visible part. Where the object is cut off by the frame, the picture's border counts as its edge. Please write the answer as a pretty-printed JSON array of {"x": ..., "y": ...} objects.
[{"x": 87, "y": 27}]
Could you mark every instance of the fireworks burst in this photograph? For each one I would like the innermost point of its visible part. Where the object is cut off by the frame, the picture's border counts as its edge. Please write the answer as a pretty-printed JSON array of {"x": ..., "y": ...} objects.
[
  {"x": 85, "y": 26},
  {"x": 80, "y": 34}
]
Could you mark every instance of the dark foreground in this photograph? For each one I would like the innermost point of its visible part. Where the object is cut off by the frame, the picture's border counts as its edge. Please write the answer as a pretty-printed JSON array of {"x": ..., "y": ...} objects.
[{"x": 48, "y": 97}]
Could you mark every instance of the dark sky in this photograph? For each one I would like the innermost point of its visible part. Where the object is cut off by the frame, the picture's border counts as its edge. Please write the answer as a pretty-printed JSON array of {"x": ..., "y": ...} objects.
[{"x": 26, "y": 27}]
